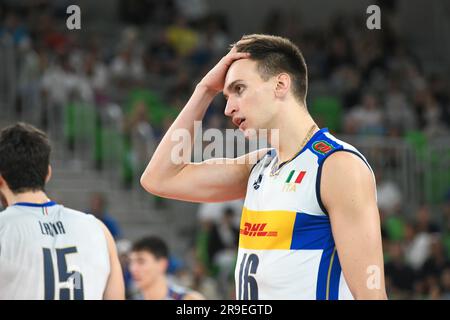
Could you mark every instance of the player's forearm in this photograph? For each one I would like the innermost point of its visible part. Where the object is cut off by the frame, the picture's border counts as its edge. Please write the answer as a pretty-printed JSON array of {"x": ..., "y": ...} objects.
[
  {"x": 370, "y": 295},
  {"x": 366, "y": 287},
  {"x": 362, "y": 264},
  {"x": 161, "y": 164}
]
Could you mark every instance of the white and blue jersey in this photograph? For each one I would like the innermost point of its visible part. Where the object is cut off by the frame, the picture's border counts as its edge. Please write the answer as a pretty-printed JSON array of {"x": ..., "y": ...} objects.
[
  {"x": 51, "y": 252},
  {"x": 286, "y": 245}
]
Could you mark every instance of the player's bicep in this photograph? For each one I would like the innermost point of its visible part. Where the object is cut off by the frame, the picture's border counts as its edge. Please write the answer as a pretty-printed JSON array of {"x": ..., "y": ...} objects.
[
  {"x": 115, "y": 286},
  {"x": 348, "y": 193}
]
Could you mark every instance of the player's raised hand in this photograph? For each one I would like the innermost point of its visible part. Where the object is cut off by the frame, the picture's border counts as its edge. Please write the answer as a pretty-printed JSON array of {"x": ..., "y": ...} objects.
[{"x": 214, "y": 80}]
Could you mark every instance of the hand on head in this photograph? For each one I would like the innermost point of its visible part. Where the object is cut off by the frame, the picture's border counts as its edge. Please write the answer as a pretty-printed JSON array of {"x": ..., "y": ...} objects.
[{"x": 214, "y": 80}]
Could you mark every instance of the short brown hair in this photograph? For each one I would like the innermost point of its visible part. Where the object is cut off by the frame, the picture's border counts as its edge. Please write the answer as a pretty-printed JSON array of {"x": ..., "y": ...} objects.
[
  {"x": 24, "y": 157},
  {"x": 274, "y": 55}
]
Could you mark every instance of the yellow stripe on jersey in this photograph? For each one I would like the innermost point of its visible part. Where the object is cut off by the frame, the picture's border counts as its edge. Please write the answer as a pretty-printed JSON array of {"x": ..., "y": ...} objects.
[
  {"x": 329, "y": 274},
  {"x": 265, "y": 230}
]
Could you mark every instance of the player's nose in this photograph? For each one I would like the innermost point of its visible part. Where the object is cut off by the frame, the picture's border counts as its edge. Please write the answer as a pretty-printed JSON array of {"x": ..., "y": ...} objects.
[{"x": 230, "y": 108}]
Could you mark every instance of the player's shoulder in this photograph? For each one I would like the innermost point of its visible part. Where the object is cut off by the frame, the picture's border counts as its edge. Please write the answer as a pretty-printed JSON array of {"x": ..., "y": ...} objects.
[
  {"x": 346, "y": 171},
  {"x": 7, "y": 214},
  {"x": 77, "y": 215},
  {"x": 325, "y": 145}
]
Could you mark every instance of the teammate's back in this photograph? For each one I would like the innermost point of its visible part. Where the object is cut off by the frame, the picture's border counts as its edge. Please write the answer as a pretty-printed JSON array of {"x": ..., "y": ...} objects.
[
  {"x": 46, "y": 250},
  {"x": 51, "y": 252}
]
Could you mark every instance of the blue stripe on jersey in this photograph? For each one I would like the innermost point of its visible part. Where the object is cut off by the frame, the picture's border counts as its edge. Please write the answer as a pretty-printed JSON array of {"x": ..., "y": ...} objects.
[
  {"x": 310, "y": 232},
  {"x": 35, "y": 205},
  {"x": 334, "y": 278},
  {"x": 329, "y": 274}
]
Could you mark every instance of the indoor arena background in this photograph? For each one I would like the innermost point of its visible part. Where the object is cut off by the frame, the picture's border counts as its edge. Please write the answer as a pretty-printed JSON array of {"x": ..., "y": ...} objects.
[{"x": 106, "y": 93}]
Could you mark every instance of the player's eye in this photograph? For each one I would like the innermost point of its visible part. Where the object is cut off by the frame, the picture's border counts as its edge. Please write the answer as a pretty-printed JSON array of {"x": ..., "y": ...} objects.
[{"x": 239, "y": 89}]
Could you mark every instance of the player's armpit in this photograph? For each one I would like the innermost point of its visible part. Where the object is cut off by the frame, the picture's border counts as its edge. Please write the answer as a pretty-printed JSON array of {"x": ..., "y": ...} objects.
[
  {"x": 348, "y": 193},
  {"x": 214, "y": 180},
  {"x": 115, "y": 287}
]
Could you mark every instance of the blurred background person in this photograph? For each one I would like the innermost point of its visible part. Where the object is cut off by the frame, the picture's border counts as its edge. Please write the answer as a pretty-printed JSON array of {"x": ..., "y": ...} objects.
[{"x": 149, "y": 260}]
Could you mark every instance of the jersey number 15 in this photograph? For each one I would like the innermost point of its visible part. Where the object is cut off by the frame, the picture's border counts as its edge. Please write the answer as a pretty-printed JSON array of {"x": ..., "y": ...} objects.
[{"x": 70, "y": 282}]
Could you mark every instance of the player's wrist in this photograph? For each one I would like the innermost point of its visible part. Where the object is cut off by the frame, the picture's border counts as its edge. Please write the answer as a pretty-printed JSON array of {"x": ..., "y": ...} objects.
[{"x": 205, "y": 89}]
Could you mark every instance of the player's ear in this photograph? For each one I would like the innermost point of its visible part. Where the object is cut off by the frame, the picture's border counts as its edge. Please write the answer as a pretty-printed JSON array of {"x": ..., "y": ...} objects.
[
  {"x": 283, "y": 85},
  {"x": 3, "y": 185},
  {"x": 3, "y": 201},
  {"x": 49, "y": 174},
  {"x": 3, "y": 182},
  {"x": 165, "y": 264}
]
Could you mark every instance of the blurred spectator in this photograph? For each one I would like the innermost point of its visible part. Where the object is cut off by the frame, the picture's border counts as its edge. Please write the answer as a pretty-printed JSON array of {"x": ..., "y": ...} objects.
[
  {"x": 13, "y": 26},
  {"x": 123, "y": 250},
  {"x": 424, "y": 222},
  {"x": 213, "y": 211},
  {"x": 445, "y": 280},
  {"x": 54, "y": 39},
  {"x": 127, "y": 66},
  {"x": 338, "y": 54},
  {"x": 223, "y": 237},
  {"x": 418, "y": 249},
  {"x": 437, "y": 262},
  {"x": 149, "y": 261},
  {"x": 141, "y": 135},
  {"x": 399, "y": 275},
  {"x": 192, "y": 9},
  {"x": 160, "y": 56},
  {"x": 182, "y": 37},
  {"x": 97, "y": 76},
  {"x": 98, "y": 207},
  {"x": 389, "y": 196},
  {"x": 399, "y": 113},
  {"x": 202, "y": 282},
  {"x": 222, "y": 246},
  {"x": 446, "y": 215},
  {"x": 367, "y": 118}
]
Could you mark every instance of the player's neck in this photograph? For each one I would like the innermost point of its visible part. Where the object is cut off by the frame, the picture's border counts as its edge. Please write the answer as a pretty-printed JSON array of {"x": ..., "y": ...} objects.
[
  {"x": 157, "y": 291},
  {"x": 38, "y": 197},
  {"x": 295, "y": 125}
]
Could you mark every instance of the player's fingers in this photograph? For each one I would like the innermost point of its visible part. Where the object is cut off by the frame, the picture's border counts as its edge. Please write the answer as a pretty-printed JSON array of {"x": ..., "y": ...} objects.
[
  {"x": 236, "y": 56},
  {"x": 243, "y": 41}
]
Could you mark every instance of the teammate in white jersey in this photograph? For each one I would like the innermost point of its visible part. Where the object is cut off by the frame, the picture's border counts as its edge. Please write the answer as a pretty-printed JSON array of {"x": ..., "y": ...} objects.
[
  {"x": 310, "y": 226},
  {"x": 48, "y": 251}
]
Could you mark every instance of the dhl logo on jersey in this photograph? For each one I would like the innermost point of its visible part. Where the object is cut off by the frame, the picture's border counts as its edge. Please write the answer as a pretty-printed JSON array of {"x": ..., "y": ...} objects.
[
  {"x": 257, "y": 230},
  {"x": 265, "y": 230}
]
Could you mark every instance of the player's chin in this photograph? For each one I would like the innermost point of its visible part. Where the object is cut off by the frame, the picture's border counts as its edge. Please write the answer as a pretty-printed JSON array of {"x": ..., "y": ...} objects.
[
  {"x": 249, "y": 133},
  {"x": 137, "y": 280}
]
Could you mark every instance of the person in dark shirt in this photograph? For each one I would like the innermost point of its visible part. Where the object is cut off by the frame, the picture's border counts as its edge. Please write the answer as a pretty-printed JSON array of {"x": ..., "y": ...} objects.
[
  {"x": 437, "y": 262},
  {"x": 99, "y": 210},
  {"x": 401, "y": 276}
]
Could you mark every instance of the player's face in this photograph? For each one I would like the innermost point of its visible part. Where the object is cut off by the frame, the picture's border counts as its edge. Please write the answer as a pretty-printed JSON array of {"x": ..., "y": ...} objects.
[
  {"x": 145, "y": 268},
  {"x": 250, "y": 99}
]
